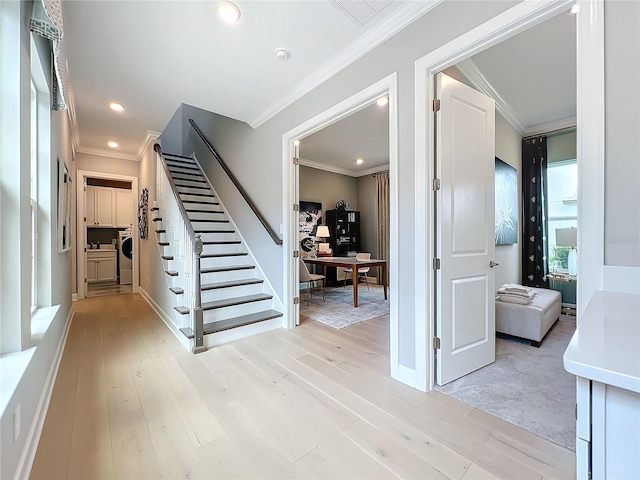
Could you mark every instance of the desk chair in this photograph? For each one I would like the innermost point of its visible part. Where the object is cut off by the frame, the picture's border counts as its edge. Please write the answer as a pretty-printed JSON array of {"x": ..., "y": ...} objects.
[
  {"x": 310, "y": 279},
  {"x": 361, "y": 271}
]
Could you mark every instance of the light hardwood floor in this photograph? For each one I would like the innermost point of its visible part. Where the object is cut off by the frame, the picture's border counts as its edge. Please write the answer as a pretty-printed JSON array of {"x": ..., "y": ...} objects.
[{"x": 313, "y": 402}]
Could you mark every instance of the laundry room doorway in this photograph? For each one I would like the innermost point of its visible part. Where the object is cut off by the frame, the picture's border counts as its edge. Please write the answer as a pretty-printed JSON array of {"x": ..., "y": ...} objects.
[{"x": 107, "y": 259}]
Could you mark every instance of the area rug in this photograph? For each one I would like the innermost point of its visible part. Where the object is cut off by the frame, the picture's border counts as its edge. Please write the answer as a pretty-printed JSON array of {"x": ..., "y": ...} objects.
[
  {"x": 338, "y": 311},
  {"x": 526, "y": 386}
]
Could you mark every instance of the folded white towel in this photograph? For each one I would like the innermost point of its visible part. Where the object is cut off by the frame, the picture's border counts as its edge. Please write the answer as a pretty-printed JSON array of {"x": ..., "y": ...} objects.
[
  {"x": 515, "y": 288},
  {"x": 514, "y": 299},
  {"x": 504, "y": 291}
]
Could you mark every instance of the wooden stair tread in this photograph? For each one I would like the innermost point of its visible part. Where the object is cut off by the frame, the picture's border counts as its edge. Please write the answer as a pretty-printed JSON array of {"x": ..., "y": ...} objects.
[
  {"x": 209, "y": 195},
  {"x": 181, "y": 310},
  {"x": 157, "y": 219},
  {"x": 154, "y": 209},
  {"x": 166, "y": 257},
  {"x": 197, "y": 187},
  {"x": 176, "y": 155},
  {"x": 230, "y": 302},
  {"x": 219, "y": 326},
  {"x": 164, "y": 244},
  {"x": 200, "y": 210},
  {"x": 223, "y": 242},
  {"x": 171, "y": 273},
  {"x": 222, "y": 255},
  {"x": 161, "y": 230},
  {"x": 200, "y": 202},
  {"x": 194, "y": 168},
  {"x": 227, "y": 268},
  {"x": 233, "y": 283},
  {"x": 176, "y": 290},
  {"x": 192, "y": 173},
  {"x": 208, "y": 220},
  {"x": 213, "y": 231},
  {"x": 187, "y": 179}
]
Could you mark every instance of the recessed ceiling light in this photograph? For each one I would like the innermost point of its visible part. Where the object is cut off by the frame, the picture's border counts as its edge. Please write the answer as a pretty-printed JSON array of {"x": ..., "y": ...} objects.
[
  {"x": 118, "y": 107},
  {"x": 359, "y": 161},
  {"x": 112, "y": 144},
  {"x": 382, "y": 101},
  {"x": 228, "y": 12},
  {"x": 282, "y": 53},
  {"x": 575, "y": 8}
]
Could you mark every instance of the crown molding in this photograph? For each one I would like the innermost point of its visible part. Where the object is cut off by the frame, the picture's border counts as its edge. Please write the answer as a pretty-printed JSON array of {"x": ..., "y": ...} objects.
[
  {"x": 398, "y": 20},
  {"x": 149, "y": 138},
  {"x": 343, "y": 171},
  {"x": 470, "y": 70},
  {"x": 550, "y": 127}
]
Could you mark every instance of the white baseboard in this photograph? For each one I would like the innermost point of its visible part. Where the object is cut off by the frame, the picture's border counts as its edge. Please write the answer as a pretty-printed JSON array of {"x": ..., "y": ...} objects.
[
  {"x": 166, "y": 319},
  {"x": 23, "y": 470},
  {"x": 227, "y": 336},
  {"x": 621, "y": 279}
]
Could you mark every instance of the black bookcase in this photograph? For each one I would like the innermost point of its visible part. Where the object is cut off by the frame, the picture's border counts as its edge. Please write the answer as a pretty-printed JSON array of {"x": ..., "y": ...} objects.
[{"x": 344, "y": 236}]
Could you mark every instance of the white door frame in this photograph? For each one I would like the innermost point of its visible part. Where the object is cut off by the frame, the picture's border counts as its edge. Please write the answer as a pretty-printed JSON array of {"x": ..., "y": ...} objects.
[
  {"x": 81, "y": 176},
  {"x": 590, "y": 149},
  {"x": 386, "y": 86}
]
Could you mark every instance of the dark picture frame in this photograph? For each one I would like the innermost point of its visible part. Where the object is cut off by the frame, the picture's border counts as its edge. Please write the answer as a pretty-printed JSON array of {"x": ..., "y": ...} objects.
[
  {"x": 506, "y": 203},
  {"x": 309, "y": 217}
]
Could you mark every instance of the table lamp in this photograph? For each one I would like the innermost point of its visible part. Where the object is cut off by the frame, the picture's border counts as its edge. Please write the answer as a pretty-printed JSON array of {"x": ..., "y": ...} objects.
[
  {"x": 322, "y": 232},
  {"x": 568, "y": 237}
]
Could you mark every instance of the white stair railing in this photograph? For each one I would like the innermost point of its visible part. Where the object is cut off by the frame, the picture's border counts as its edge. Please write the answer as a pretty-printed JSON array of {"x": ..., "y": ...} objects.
[{"x": 186, "y": 247}]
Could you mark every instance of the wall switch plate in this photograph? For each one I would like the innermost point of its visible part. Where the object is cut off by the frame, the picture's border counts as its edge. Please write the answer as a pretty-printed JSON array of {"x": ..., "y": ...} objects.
[
  {"x": 281, "y": 229},
  {"x": 16, "y": 423}
]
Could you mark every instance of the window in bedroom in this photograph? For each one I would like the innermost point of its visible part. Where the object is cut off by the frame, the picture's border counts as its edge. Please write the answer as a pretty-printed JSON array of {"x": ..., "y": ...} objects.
[{"x": 562, "y": 205}]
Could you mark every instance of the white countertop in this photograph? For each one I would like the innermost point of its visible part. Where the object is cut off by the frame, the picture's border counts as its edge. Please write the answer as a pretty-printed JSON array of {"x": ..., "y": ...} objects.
[{"x": 606, "y": 345}]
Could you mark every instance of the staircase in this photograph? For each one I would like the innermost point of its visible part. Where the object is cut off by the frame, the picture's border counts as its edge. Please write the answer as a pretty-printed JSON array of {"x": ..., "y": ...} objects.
[{"x": 208, "y": 268}]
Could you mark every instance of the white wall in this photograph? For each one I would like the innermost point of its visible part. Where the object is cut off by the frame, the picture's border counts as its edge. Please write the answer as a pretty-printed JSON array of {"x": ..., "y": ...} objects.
[
  {"x": 622, "y": 142},
  {"x": 255, "y": 155},
  {"x": 509, "y": 150},
  {"x": 102, "y": 164},
  {"x": 29, "y": 390}
]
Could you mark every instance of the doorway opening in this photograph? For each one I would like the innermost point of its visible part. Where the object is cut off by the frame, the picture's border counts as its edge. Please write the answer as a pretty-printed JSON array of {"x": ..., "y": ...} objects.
[
  {"x": 108, "y": 244},
  {"x": 449, "y": 55},
  {"x": 292, "y": 141}
]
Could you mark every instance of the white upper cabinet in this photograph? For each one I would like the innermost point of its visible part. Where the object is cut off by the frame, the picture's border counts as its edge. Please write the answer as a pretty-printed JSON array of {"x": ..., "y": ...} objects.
[{"x": 124, "y": 208}]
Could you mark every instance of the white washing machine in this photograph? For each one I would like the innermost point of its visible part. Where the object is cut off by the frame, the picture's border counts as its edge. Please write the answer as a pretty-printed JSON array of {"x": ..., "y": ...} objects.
[{"x": 125, "y": 257}]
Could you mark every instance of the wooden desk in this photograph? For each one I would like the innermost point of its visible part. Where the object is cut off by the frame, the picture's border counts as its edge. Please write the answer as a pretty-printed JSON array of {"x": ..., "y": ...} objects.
[{"x": 351, "y": 262}]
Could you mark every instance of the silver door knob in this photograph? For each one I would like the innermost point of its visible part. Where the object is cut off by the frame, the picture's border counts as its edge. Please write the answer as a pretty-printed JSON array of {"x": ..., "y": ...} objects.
[{"x": 493, "y": 264}]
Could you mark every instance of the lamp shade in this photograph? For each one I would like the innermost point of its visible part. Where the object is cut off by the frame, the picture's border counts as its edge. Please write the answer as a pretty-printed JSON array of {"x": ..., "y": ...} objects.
[
  {"x": 567, "y": 237},
  {"x": 322, "y": 231}
]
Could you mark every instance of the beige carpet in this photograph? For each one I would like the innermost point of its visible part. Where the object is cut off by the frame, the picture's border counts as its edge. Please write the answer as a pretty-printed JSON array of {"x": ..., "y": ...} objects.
[
  {"x": 338, "y": 311},
  {"x": 526, "y": 386}
]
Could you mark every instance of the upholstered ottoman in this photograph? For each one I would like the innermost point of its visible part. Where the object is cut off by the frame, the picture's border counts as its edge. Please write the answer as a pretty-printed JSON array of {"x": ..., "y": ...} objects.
[{"x": 531, "y": 321}]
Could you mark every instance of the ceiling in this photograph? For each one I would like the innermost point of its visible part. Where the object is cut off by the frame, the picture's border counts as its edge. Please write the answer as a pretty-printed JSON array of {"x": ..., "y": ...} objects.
[
  {"x": 153, "y": 56},
  {"x": 141, "y": 55}
]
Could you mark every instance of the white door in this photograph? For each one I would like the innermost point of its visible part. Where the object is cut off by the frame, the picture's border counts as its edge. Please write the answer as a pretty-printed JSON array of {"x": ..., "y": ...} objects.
[{"x": 465, "y": 152}]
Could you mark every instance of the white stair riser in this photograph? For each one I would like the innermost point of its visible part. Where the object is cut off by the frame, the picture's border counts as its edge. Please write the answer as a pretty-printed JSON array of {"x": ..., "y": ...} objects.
[
  {"x": 228, "y": 276},
  {"x": 191, "y": 180},
  {"x": 218, "y": 237},
  {"x": 186, "y": 191},
  {"x": 195, "y": 216},
  {"x": 224, "y": 248},
  {"x": 222, "y": 293},
  {"x": 198, "y": 198},
  {"x": 224, "y": 261},
  {"x": 184, "y": 172},
  {"x": 220, "y": 222},
  {"x": 236, "y": 311}
]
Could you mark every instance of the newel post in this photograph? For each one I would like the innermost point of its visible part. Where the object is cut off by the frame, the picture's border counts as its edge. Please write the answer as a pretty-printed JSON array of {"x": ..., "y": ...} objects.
[{"x": 197, "y": 311}]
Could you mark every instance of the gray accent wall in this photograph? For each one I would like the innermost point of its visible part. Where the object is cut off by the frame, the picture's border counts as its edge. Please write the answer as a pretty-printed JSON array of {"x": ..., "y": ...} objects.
[
  {"x": 327, "y": 188},
  {"x": 368, "y": 206},
  {"x": 509, "y": 150},
  {"x": 622, "y": 137}
]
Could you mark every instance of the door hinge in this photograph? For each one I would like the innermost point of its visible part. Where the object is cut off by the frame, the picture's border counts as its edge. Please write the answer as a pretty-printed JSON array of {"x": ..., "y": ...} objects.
[
  {"x": 576, "y": 411},
  {"x": 436, "y": 105},
  {"x": 436, "y": 264},
  {"x": 296, "y": 253},
  {"x": 296, "y": 161},
  {"x": 436, "y": 343},
  {"x": 85, "y": 249},
  {"x": 296, "y": 207},
  {"x": 296, "y": 300},
  {"x": 436, "y": 184}
]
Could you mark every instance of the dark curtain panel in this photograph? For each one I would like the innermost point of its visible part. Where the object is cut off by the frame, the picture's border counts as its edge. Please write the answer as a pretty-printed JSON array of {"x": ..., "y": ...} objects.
[{"x": 534, "y": 212}]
